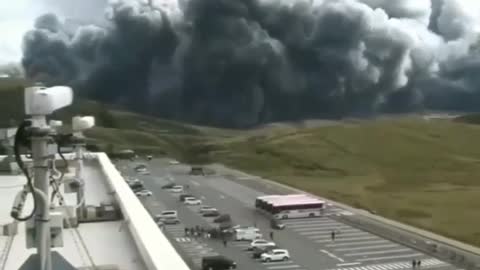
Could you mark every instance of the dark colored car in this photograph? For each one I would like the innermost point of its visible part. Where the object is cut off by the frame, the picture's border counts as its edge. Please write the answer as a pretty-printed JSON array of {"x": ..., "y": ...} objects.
[
  {"x": 217, "y": 263},
  {"x": 258, "y": 251},
  {"x": 277, "y": 225},
  {"x": 211, "y": 213},
  {"x": 223, "y": 218},
  {"x": 137, "y": 187},
  {"x": 168, "y": 186}
]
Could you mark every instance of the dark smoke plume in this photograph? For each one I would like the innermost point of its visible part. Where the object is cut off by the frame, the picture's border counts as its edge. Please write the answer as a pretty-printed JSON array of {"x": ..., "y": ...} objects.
[{"x": 242, "y": 62}]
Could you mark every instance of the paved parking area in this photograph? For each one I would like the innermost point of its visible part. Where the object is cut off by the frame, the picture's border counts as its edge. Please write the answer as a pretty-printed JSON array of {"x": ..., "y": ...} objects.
[{"x": 359, "y": 250}]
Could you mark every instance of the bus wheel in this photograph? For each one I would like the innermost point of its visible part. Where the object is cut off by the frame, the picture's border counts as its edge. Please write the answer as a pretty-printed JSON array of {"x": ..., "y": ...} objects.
[
  {"x": 311, "y": 215},
  {"x": 284, "y": 217}
]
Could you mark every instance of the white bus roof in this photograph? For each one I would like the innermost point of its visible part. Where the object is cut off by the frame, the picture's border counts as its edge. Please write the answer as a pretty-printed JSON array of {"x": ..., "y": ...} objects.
[
  {"x": 275, "y": 198},
  {"x": 298, "y": 202}
]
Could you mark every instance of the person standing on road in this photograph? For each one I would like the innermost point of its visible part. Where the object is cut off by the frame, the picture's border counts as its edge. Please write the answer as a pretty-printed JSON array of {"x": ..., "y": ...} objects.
[
  {"x": 333, "y": 235},
  {"x": 419, "y": 262},
  {"x": 414, "y": 264},
  {"x": 271, "y": 235},
  {"x": 186, "y": 231}
]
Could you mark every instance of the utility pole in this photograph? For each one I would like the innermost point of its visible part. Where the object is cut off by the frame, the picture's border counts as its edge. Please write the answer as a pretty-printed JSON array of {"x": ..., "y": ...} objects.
[{"x": 41, "y": 174}]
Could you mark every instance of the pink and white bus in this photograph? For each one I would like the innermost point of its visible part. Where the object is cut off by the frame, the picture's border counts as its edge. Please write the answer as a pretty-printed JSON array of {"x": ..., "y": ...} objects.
[{"x": 290, "y": 206}]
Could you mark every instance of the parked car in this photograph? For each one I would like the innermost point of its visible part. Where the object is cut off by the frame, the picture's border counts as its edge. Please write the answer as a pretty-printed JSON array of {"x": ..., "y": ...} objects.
[
  {"x": 170, "y": 220},
  {"x": 137, "y": 187},
  {"x": 177, "y": 189},
  {"x": 275, "y": 255},
  {"x": 144, "y": 172},
  {"x": 149, "y": 157},
  {"x": 182, "y": 197},
  {"x": 218, "y": 263},
  {"x": 166, "y": 214},
  {"x": 206, "y": 208},
  {"x": 261, "y": 243},
  {"x": 222, "y": 218},
  {"x": 168, "y": 186},
  {"x": 192, "y": 201},
  {"x": 144, "y": 193},
  {"x": 211, "y": 213}
]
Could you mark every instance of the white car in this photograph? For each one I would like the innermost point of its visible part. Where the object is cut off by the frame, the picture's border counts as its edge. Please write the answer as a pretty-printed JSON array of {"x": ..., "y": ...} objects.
[
  {"x": 144, "y": 172},
  {"x": 144, "y": 193},
  {"x": 173, "y": 162},
  {"x": 192, "y": 201},
  {"x": 167, "y": 214},
  {"x": 177, "y": 189},
  {"x": 275, "y": 255},
  {"x": 206, "y": 208},
  {"x": 261, "y": 243}
]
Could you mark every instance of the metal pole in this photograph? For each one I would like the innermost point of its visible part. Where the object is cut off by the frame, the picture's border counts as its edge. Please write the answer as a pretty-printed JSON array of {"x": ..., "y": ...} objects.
[
  {"x": 78, "y": 175},
  {"x": 41, "y": 184}
]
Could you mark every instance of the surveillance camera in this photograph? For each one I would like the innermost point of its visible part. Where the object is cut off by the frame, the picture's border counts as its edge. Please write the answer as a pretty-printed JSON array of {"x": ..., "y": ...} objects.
[
  {"x": 40, "y": 100},
  {"x": 80, "y": 123}
]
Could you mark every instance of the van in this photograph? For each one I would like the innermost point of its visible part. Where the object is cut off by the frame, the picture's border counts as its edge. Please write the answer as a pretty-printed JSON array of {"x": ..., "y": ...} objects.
[
  {"x": 247, "y": 234},
  {"x": 217, "y": 263}
]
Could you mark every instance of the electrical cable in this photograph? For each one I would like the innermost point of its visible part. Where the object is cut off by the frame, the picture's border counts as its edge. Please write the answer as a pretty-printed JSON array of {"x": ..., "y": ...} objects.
[
  {"x": 58, "y": 181},
  {"x": 21, "y": 139}
]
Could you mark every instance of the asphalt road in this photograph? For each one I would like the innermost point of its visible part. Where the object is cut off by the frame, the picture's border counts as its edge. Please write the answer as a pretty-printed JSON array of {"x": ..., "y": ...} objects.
[{"x": 308, "y": 240}]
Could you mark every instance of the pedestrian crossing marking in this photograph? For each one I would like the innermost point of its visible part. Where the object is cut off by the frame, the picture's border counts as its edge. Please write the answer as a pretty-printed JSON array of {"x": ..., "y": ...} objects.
[
  {"x": 183, "y": 239},
  {"x": 427, "y": 263}
]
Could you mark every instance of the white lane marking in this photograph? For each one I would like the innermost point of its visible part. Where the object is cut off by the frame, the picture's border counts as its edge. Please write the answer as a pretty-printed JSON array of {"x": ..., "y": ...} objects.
[
  {"x": 332, "y": 255},
  {"x": 348, "y": 264},
  {"x": 390, "y": 257},
  {"x": 311, "y": 223},
  {"x": 338, "y": 235},
  {"x": 358, "y": 243},
  {"x": 308, "y": 221},
  {"x": 367, "y": 247},
  {"x": 309, "y": 227},
  {"x": 277, "y": 262},
  {"x": 319, "y": 231},
  {"x": 283, "y": 266},
  {"x": 378, "y": 252},
  {"x": 195, "y": 183},
  {"x": 340, "y": 239}
]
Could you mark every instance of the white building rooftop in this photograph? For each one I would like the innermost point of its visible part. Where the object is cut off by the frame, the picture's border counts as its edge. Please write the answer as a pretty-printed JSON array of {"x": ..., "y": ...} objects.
[{"x": 132, "y": 241}]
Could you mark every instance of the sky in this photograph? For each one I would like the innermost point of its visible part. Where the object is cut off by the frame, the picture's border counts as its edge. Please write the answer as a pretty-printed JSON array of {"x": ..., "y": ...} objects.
[{"x": 17, "y": 16}]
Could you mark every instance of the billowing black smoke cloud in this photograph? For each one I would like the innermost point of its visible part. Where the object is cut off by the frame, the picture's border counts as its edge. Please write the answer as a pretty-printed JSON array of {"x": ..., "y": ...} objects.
[{"x": 244, "y": 62}]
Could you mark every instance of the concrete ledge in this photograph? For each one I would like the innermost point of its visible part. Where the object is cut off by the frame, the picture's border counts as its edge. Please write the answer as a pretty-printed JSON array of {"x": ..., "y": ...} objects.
[
  {"x": 157, "y": 252},
  {"x": 456, "y": 252}
]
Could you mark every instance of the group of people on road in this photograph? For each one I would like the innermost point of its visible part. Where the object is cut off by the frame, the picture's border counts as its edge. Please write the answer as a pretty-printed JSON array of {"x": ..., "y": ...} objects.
[
  {"x": 416, "y": 263},
  {"x": 197, "y": 231}
]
